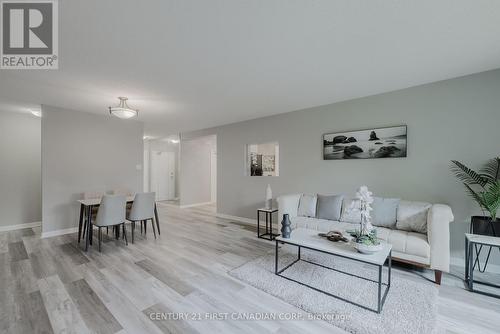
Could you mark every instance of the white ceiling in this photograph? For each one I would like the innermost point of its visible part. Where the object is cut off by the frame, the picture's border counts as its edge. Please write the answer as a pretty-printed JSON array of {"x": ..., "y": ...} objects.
[{"x": 193, "y": 64}]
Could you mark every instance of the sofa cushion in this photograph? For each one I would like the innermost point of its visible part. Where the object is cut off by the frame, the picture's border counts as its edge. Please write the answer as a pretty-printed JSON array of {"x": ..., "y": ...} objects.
[
  {"x": 329, "y": 207},
  {"x": 406, "y": 242},
  {"x": 385, "y": 211},
  {"x": 349, "y": 215},
  {"x": 412, "y": 216},
  {"x": 307, "y": 206}
]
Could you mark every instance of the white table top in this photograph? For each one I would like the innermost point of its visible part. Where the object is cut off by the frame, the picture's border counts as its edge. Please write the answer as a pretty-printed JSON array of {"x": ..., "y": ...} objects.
[
  {"x": 310, "y": 238},
  {"x": 97, "y": 201},
  {"x": 268, "y": 210},
  {"x": 483, "y": 239}
]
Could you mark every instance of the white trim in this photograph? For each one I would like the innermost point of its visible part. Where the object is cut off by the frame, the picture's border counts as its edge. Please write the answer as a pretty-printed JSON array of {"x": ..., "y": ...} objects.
[
  {"x": 196, "y": 204},
  {"x": 460, "y": 262},
  {"x": 19, "y": 226},
  {"x": 240, "y": 219},
  {"x": 59, "y": 232}
]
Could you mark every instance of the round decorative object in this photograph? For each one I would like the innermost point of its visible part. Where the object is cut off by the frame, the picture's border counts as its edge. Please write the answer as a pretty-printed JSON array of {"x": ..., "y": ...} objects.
[
  {"x": 286, "y": 227},
  {"x": 367, "y": 249}
]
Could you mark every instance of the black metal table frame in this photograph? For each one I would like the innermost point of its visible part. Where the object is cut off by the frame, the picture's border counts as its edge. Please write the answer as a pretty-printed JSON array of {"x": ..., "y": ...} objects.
[
  {"x": 470, "y": 265},
  {"x": 269, "y": 235},
  {"x": 381, "y": 298},
  {"x": 85, "y": 227}
]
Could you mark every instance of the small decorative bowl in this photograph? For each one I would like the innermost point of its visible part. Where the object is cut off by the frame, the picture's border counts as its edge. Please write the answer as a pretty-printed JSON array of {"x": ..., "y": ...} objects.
[{"x": 367, "y": 249}]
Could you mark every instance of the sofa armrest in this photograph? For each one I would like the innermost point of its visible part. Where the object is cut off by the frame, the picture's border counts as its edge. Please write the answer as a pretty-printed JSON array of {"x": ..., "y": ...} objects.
[
  {"x": 288, "y": 204},
  {"x": 438, "y": 235}
]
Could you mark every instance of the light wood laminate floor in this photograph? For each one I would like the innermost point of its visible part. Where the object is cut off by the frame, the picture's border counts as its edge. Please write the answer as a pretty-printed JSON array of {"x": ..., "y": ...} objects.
[{"x": 52, "y": 286}]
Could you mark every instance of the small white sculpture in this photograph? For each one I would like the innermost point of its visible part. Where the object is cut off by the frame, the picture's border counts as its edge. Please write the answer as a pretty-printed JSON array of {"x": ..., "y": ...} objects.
[{"x": 269, "y": 197}]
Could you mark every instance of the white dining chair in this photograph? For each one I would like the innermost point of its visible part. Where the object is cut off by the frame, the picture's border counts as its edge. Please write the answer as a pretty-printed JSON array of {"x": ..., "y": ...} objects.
[
  {"x": 93, "y": 211},
  {"x": 142, "y": 210},
  {"x": 111, "y": 213}
]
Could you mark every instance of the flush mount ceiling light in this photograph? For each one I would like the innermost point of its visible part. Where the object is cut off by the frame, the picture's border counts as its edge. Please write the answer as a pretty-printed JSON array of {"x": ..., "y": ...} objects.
[
  {"x": 123, "y": 110},
  {"x": 37, "y": 113}
]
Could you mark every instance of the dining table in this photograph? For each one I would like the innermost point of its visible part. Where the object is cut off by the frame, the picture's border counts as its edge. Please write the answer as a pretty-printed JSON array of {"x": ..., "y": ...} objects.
[{"x": 85, "y": 221}]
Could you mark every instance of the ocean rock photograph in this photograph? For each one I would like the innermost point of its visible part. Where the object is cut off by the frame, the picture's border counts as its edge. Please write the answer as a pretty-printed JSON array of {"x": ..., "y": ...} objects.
[{"x": 366, "y": 144}]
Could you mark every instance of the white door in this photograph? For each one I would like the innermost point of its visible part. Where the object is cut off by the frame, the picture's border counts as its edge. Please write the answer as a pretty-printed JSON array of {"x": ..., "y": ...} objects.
[
  {"x": 213, "y": 176},
  {"x": 171, "y": 175},
  {"x": 163, "y": 175}
]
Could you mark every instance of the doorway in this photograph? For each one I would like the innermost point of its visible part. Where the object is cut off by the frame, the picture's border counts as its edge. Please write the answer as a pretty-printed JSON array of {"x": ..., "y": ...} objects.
[
  {"x": 213, "y": 175},
  {"x": 163, "y": 175}
]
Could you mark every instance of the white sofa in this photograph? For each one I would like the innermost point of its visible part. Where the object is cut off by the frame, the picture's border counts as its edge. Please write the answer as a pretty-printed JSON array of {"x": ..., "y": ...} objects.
[{"x": 430, "y": 250}]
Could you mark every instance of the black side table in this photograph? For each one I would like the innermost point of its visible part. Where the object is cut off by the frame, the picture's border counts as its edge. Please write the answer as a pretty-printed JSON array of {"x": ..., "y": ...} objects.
[{"x": 268, "y": 235}]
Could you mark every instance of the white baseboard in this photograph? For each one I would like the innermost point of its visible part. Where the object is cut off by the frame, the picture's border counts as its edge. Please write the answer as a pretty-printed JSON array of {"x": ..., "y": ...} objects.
[
  {"x": 59, "y": 232},
  {"x": 196, "y": 204},
  {"x": 460, "y": 262},
  {"x": 19, "y": 226},
  {"x": 240, "y": 219}
]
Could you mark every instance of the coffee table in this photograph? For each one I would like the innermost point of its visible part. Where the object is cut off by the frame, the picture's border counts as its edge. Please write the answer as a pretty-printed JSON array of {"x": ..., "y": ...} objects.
[{"x": 309, "y": 239}]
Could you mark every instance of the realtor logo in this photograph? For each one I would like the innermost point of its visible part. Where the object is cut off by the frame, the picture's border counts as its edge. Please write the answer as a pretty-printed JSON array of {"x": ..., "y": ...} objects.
[{"x": 29, "y": 34}]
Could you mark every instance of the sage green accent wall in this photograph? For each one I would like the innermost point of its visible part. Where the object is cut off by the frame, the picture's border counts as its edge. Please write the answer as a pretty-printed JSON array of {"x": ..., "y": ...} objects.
[{"x": 452, "y": 119}]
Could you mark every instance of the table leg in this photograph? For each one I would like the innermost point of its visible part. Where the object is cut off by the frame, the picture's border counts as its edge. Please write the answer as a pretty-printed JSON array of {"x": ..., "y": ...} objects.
[
  {"x": 88, "y": 229},
  {"x": 466, "y": 261},
  {"x": 271, "y": 225},
  {"x": 276, "y": 259},
  {"x": 298, "y": 254},
  {"x": 471, "y": 266},
  {"x": 157, "y": 220},
  {"x": 390, "y": 268},
  {"x": 80, "y": 223},
  {"x": 258, "y": 224},
  {"x": 267, "y": 224},
  {"x": 379, "y": 308}
]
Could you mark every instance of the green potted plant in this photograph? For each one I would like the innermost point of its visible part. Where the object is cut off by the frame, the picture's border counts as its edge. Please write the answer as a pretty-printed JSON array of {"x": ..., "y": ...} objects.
[{"x": 484, "y": 188}]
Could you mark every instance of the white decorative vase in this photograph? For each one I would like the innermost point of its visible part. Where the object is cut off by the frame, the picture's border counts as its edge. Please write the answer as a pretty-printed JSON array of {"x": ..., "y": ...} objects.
[{"x": 269, "y": 197}]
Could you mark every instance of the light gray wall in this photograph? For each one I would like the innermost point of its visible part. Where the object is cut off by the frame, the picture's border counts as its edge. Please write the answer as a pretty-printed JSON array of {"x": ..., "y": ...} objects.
[
  {"x": 453, "y": 119},
  {"x": 195, "y": 178},
  {"x": 20, "y": 169},
  {"x": 85, "y": 152}
]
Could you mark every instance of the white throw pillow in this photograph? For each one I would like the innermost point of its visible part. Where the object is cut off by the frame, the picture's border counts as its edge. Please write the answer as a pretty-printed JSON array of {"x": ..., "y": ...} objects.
[
  {"x": 348, "y": 215},
  {"x": 412, "y": 216},
  {"x": 307, "y": 206}
]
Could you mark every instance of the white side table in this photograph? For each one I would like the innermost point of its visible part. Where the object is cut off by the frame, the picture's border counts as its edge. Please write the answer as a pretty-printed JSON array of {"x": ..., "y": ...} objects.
[{"x": 470, "y": 241}]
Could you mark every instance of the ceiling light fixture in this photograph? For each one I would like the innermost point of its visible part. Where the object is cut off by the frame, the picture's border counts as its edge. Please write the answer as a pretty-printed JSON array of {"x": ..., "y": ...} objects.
[
  {"x": 37, "y": 113},
  {"x": 174, "y": 141},
  {"x": 123, "y": 111}
]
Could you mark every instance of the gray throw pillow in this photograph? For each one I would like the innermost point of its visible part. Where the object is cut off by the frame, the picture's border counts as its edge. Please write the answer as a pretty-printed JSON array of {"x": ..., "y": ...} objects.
[
  {"x": 307, "y": 206},
  {"x": 385, "y": 212},
  {"x": 329, "y": 207}
]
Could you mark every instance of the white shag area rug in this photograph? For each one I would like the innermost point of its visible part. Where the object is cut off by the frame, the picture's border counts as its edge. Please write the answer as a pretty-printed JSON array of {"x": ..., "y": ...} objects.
[{"x": 410, "y": 307}]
